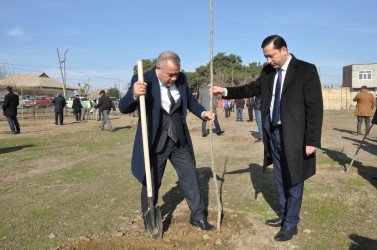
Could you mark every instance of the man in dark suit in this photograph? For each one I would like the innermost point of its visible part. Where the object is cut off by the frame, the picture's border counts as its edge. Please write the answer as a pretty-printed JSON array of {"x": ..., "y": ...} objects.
[
  {"x": 292, "y": 113},
  {"x": 167, "y": 98},
  {"x": 11, "y": 101},
  {"x": 59, "y": 103},
  {"x": 76, "y": 106}
]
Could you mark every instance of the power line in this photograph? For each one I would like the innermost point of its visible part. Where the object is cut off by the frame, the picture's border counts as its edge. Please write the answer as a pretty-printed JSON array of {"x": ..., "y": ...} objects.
[{"x": 40, "y": 66}]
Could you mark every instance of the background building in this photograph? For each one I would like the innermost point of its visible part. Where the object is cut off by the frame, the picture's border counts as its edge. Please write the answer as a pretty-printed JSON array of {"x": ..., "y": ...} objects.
[
  {"x": 357, "y": 75},
  {"x": 37, "y": 84}
]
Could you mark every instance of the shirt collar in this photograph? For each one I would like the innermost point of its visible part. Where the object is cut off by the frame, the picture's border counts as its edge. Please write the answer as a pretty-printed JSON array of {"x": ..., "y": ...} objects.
[{"x": 285, "y": 66}]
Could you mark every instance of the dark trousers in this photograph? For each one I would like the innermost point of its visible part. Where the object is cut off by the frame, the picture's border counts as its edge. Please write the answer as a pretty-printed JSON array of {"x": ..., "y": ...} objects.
[
  {"x": 13, "y": 122},
  {"x": 60, "y": 116},
  {"x": 250, "y": 110},
  {"x": 227, "y": 112},
  {"x": 217, "y": 125},
  {"x": 360, "y": 121},
  {"x": 183, "y": 163},
  {"x": 78, "y": 115},
  {"x": 290, "y": 196},
  {"x": 100, "y": 113}
]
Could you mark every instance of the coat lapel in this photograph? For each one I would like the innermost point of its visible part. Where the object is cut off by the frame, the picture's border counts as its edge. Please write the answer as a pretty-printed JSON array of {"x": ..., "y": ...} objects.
[
  {"x": 289, "y": 75},
  {"x": 156, "y": 106}
]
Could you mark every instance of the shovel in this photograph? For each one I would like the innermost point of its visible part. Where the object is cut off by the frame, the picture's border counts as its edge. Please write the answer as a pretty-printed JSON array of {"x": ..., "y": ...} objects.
[{"x": 153, "y": 215}]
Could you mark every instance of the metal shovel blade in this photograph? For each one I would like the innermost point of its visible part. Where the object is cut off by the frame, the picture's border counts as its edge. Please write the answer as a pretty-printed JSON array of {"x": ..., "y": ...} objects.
[{"x": 153, "y": 220}]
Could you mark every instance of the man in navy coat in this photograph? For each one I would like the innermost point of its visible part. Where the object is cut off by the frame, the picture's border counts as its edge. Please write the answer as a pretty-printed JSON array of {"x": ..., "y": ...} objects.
[
  {"x": 167, "y": 99},
  {"x": 292, "y": 113}
]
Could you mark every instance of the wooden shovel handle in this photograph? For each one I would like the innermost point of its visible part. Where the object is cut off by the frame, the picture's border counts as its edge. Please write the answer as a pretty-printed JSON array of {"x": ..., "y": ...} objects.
[{"x": 144, "y": 132}]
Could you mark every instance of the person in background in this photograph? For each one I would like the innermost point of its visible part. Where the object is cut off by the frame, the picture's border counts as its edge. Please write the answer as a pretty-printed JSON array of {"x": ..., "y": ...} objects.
[
  {"x": 250, "y": 107},
  {"x": 11, "y": 101},
  {"x": 100, "y": 114},
  {"x": 364, "y": 108},
  {"x": 76, "y": 106},
  {"x": 227, "y": 108},
  {"x": 87, "y": 108},
  {"x": 240, "y": 103},
  {"x": 105, "y": 104},
  {"x": 59, "y": 103},
  {"x": 258, "y": 118},
  {"x": 204, "y": 100}
]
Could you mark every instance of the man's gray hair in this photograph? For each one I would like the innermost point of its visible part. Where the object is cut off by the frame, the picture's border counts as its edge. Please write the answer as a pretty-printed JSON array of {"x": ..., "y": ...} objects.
[{"x": 167, "y": 56}]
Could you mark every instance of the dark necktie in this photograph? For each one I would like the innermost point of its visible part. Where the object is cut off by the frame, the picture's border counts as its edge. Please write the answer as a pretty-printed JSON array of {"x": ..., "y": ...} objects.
[
  {"x": 172, "y": 102},
  {"x": 276, "y": 110}
]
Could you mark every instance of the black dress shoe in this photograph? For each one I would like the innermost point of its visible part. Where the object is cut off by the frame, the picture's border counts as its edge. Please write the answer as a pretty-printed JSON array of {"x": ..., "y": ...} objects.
[
  {"x": 203, "y": 224},
  {"x": 204, "y": 135},
  {"x": 278, "y": 222},
  {"x": 285, "y": 233},
  {"x": 220, "y": 133}
]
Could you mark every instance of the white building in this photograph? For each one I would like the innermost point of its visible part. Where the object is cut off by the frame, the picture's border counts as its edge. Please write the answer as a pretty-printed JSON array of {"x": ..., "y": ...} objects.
[{"x": 357, "y": 75}]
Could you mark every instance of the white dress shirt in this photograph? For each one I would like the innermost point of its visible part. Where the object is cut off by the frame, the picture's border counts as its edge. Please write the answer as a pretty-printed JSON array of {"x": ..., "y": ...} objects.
[
  {"x": 165, "y": 101},
  {"x": 283, "y": 72}
]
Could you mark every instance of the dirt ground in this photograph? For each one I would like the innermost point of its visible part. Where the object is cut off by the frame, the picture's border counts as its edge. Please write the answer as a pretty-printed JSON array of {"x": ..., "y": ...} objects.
[{"x": 242, "y": 227}]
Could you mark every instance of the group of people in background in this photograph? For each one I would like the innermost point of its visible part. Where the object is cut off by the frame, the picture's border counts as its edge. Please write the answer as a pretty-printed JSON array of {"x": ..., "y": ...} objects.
[{"x": 104, "y": 105}]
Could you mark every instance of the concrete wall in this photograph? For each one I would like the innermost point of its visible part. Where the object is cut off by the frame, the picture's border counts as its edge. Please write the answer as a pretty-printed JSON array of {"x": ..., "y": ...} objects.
[{"x": 336, "y": 98}]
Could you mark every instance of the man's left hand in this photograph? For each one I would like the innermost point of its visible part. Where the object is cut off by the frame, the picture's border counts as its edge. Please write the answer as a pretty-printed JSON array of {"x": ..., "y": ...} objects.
[{"x": 310, "y": 150}]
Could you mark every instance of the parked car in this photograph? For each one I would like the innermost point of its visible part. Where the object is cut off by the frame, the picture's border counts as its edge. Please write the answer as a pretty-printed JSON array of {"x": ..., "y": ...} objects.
[
  {"x": 39, "y": 102},
  {"x": 115, "y": 101},
  {"x": 2, "y": 95}
]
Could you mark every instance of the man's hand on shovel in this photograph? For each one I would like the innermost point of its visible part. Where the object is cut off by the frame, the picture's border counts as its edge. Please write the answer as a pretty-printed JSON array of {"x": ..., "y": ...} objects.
[{"x": 139, "y": 89}]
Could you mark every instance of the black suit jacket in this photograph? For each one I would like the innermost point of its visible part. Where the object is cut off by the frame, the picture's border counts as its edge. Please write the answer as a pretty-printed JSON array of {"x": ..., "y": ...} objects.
[
  {"x": 301, "y": 113},
  {"x": 11, "y": 101}
]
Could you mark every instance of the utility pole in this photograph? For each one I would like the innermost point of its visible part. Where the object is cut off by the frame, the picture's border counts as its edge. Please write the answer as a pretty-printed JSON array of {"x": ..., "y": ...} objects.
[
  {"x": 63, "y": 77},
  {"x": 119, "y": 89}
]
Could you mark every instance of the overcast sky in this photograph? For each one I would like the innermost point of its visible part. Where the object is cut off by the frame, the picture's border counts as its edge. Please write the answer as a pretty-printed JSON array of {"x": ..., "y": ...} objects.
[{"x": 106, "y": 38}]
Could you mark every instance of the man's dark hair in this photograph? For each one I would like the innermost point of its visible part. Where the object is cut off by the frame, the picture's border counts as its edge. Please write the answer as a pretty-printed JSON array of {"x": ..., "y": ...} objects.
[
  {"x": 278, "y": 42},
  {"x": 9, "y": 88},
  {"x": 102, "y": 92},
  {"x": 364, "y": 87}
]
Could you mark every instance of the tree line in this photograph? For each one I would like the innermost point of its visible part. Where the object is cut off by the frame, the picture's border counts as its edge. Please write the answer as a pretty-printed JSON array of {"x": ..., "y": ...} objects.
[{"x": 228, "y": 71}]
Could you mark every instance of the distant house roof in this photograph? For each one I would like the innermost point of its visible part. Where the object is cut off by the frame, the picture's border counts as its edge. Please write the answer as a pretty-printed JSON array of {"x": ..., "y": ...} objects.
[{"x": 35, "y": 80}]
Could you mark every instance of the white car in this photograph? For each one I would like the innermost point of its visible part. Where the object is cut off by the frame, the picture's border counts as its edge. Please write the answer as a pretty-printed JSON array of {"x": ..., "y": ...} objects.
[{"x": 83, "y": 101}]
